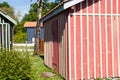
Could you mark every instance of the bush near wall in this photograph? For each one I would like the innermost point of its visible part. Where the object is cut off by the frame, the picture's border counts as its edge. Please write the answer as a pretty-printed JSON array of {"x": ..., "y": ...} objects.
[{"x": 14, "y": 66}]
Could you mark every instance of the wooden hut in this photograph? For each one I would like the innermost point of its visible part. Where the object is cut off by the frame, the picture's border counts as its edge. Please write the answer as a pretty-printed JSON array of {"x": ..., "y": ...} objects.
[
  {"x": 30, "y": 27},
  {"x": 82, "y": 39},
  {"x": 6, "y": 30}
]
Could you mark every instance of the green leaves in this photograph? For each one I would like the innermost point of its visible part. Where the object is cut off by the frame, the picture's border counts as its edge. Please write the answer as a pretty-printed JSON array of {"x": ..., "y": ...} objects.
[
  {"x": 9, "y": 10},
  {"x": 14, "y": 66}
]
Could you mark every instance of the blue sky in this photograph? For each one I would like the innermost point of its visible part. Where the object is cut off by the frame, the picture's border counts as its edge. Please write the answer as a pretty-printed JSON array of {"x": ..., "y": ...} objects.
[{"x": 21, "y": 6}]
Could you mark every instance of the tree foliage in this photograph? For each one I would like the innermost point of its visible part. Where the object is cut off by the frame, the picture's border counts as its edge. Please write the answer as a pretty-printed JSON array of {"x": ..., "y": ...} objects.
[
  {"x": 47, "y": 7},
  {"x": 20, "y": 31},
  {"x": 32, "y": 14},
  {"x": 8, "y": 9},
  {"x": 58, "y": 1}
]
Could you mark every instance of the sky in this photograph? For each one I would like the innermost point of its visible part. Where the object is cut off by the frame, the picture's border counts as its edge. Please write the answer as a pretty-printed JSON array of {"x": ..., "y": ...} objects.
[{"x": 21, "y": 6}]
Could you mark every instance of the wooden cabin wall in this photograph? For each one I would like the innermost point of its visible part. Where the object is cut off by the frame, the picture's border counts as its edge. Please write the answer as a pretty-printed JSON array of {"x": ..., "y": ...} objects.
[
  {"x": 55, "y": 43},
  {"x": 94, "y": 40}
]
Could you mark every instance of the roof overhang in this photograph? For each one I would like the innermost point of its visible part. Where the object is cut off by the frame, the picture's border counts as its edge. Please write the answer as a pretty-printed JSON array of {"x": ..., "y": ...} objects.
[
  {"x": 63, "y": 6},
  {"x": 8, "y": 17}
]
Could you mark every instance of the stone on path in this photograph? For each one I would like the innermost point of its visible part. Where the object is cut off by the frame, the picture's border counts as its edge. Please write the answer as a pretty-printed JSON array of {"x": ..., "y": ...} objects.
[{"x": 47, "y": 74}]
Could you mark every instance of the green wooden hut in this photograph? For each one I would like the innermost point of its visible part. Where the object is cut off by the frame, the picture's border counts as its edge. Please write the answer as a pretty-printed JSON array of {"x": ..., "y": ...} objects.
[{"x": 6, "y": 30}]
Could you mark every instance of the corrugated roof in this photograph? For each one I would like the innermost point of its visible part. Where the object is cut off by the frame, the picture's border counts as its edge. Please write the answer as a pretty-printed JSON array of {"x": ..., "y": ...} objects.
[
  {"x": 3, "y": 13},
  {"x": 30, "y": 24}
]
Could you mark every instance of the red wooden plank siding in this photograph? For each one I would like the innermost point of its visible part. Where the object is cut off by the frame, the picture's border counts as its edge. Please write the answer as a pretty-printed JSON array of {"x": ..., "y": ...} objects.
[
  {"x": 115, "y": 46},
  {"x": 72, "y": 47},
  {"x": 78, "y": 48},
  {"x": 55, "y": 45},
  {"x": 91, "y": 47},
  {"x": 62, "y": 43},
  {"x": 109, "y": 36},
  {"x": 103, "y": 28},
  {"x": 88, "y": 44},
  {"x": 84, "y": 38},
  {"x": 102, "y": 44},
  {"x": 97, "y": 46}
]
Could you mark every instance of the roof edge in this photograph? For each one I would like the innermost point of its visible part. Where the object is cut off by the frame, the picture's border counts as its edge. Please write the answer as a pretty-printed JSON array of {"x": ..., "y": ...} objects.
[
  {"x": 61, "y": 7},
  {"x": 8, "y": 17},
  {"x": 71, "y": 3}
]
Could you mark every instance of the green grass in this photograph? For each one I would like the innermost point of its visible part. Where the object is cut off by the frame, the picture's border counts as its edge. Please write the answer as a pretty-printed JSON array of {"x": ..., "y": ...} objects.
[{"x": 38, "y": 67}]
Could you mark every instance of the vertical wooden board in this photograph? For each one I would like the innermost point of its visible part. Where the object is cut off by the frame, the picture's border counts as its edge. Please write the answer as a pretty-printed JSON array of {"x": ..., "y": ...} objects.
[
  {"x": 102, "y": 6},
  {"x": 91, "y": 47},
  {"x": 115, "y": 46},
  {"x": 109, "y": 46},
  {"x": 64, "y": 44},
  {"x": 78, "y": 8},
  {"x": 90, "y": 6},
  {"x": 84, "y": 7},
  {"x": 45, "y": 45},
  {"x": 119, "y": 6},
  {"x": 108, "y": 6},
  {"x": 72, "y": 46},
  {"x": 97, "y": 38},
  {"x": 119, "y": 41},
  {"x": 61, "y": 39},
  {"x": 103, "y": 34},
  {"x": 60, "y": 44},
  {"x": 114, "y": 7},
  {"x": 78, "y": 47},
  {"x": 66, "y": 50},
  {"x": 64, "y": 55},
  {"x": 84, "y": 36},
  {"x": 96, "y": 8},
  {"x": 55, "y": 45},
  {"x": 50, "y": 52}
]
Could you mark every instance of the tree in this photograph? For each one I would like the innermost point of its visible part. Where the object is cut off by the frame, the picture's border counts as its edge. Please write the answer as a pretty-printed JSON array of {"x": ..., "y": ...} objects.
[
  {"x": 8, "y": 9},
  {"x": 39, "y": 12},
  {"x": 43, "y": 7},
  {"x": 47, "y": 7},
  {"x": 32, "y": 14},
  {"x": 20, "y": 31}
]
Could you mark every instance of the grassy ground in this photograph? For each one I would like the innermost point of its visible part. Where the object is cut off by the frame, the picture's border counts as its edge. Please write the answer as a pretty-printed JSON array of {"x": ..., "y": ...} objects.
[{"x": 38, "y": 67}]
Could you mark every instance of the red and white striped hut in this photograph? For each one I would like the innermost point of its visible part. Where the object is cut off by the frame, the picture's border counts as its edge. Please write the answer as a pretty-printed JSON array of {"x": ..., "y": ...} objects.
[{"x": 82, "y": 39}]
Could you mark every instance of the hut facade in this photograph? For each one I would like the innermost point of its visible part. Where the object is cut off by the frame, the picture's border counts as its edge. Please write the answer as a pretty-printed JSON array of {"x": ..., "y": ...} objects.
[
  {"x": 6, "y": 30},
  {"x": 30, "y": 27},
  {"x": 82, "y": 39}
]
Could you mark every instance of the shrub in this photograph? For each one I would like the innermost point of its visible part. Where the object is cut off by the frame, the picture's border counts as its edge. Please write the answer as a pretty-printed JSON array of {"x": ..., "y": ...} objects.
[
  {"x": 15, "y": 66},
  {"x": 20, "y": 37}
]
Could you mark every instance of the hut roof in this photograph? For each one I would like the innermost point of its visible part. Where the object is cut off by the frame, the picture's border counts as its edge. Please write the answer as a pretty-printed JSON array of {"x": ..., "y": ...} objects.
[
  {"x": 4, "y": 14},
  {"x": 30, "y": 24}
]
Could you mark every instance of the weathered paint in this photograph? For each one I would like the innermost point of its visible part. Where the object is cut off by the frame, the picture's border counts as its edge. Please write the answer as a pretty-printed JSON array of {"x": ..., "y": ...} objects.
[
  {"x": 88, "y": 40},
  {"x": 55, "y": 44},
  {"x": 5, "y": 34},
  {"x": 100, "y": 39}
]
